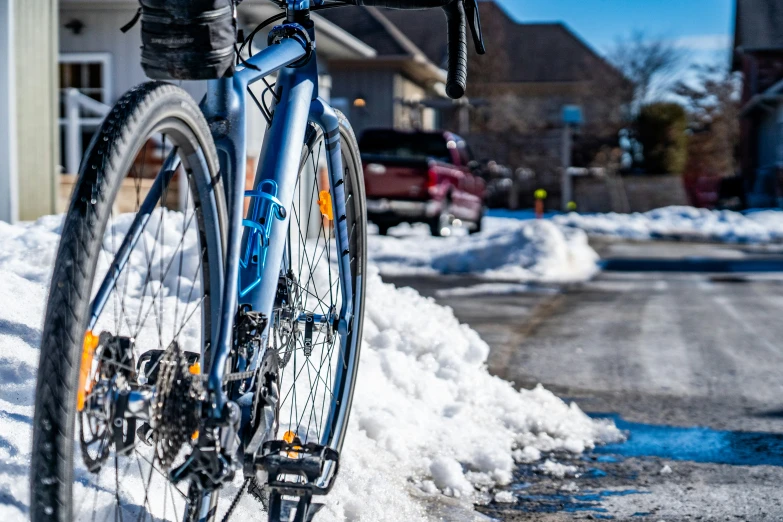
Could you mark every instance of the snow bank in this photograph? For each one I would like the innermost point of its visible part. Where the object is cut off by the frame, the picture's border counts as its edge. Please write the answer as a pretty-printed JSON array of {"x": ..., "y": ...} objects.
[
  {"x": 531, "y": 250},
  {"x": 427, "y": 418},
  {"x": 683, "y": 223}
]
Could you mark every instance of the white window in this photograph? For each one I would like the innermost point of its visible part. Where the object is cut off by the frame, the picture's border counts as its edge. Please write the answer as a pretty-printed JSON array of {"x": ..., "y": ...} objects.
[{"x": 89, "y": 74}]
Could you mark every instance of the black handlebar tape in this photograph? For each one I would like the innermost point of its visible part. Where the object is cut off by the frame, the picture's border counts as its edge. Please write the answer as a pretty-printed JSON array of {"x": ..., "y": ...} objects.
[{"x": 458, "y": 49}]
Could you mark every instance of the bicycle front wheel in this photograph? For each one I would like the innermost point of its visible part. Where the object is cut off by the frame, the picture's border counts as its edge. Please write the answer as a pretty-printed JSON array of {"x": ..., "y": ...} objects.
[
  {"x": 136, "y": 280},
  {"x": 318, "y": 364}
]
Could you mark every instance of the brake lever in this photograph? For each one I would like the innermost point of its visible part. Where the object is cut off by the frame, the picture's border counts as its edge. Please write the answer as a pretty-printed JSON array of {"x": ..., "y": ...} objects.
[{"x": 474, "y": 22}]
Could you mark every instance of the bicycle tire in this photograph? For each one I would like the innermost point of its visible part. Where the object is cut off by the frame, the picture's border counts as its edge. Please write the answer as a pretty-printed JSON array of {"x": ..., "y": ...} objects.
[{"x": 111, "y": 155}]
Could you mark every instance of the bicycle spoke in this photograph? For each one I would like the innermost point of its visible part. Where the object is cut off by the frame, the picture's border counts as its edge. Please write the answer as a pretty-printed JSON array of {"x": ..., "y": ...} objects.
[
  {"x": 159, "y": 268},
  {"x": 307, "y": 379}
]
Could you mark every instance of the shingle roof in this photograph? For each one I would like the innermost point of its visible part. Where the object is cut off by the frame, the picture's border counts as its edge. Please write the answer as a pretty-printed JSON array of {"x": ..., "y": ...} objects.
[
  {"x": 426, "y": 28},
  {"x": 369, "y": 25},
  {"x": 759, "y": 24},
  {"x": 539, "y": 52}
]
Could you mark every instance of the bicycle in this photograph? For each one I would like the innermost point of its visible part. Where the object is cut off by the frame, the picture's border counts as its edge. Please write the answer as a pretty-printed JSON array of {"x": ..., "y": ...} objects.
[{"x": 174, "y": 408}]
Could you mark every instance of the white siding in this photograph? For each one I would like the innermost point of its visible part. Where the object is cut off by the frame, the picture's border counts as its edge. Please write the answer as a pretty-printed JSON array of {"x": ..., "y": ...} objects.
[{"x": 35, "y": 26}]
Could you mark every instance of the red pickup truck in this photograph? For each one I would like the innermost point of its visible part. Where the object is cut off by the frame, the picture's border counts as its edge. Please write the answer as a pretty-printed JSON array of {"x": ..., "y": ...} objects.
[{"x": 420, "y": 177}]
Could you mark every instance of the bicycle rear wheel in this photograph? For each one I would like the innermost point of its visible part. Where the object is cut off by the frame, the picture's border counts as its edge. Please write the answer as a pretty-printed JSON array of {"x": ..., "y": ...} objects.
[{"x": 136, "y": 279}]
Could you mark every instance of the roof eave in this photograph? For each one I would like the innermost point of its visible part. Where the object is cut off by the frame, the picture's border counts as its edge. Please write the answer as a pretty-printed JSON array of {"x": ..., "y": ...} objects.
[
  {"x": 774, "y": 94},
  {"x": 343, "y": 37}
]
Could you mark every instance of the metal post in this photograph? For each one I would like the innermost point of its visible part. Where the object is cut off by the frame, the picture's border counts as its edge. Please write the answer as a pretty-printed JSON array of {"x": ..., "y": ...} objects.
[
  {"x": 73, "y": 132},
  {"x": 464, "y": 118},
  {"x": 567, "y": 192}
]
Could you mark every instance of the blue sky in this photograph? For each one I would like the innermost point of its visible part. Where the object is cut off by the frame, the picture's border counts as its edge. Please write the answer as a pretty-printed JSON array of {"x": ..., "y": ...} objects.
[{"x": 702, "y": 28}]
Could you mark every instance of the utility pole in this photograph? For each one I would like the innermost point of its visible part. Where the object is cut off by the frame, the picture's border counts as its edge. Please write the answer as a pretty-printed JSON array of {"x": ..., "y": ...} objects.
[
  {"x": 572, "y": 119},
  {"x": 566, "y": 187}
]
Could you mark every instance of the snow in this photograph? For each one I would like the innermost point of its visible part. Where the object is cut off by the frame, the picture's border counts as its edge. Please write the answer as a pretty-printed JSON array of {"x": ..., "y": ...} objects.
[
  {"x": 527, "y": 455},
  {"x": 506, "y": 249},
  {"x": 505, "y": 497},
  {"x": 495, "y": 289},
  {"x": 682, "y": 223},
  {"x": 447, "y": 475},
  {"x": 427, "y": 419},
  {"x": 570, "y": 487},
  {"x": 557, "y": 470}
]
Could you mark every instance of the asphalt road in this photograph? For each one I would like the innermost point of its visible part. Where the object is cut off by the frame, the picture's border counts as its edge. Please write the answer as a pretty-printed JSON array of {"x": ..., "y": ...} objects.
[{"x": 661, "y": 349}]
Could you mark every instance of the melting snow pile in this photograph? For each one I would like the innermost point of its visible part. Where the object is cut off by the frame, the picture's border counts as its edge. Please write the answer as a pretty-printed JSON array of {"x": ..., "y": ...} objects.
[
  {"x": 532, "y": 250},
  {"x": 427, "y": 418},
  {"x": 683, "y": 223}
]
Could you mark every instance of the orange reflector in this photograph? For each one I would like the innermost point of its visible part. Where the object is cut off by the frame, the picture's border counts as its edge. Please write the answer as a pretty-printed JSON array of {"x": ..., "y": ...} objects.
[
  {"x": 291, "y": 438},
  {"x": 194, "y": 435},
  {"x": 195, "y": 368},
  {"x": 88, "y": 352},
  {"x": 325, "y": 204}
]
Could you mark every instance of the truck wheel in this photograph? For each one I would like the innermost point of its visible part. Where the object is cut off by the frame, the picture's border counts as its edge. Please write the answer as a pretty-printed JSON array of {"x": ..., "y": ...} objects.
[
  {"x": 477, "y": 228},
  {"x": 438, "y": 224}
]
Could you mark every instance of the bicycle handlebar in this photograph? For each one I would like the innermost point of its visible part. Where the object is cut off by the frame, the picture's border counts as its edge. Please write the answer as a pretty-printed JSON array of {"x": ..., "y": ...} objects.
[{"x": 459, "y": 13}]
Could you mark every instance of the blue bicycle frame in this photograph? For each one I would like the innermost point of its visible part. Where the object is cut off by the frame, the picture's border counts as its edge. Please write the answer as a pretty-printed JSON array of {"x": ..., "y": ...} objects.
[{"x": 255, "y": 245}]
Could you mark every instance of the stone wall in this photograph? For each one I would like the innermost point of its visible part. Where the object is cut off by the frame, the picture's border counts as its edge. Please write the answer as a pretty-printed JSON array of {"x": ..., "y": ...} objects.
[{"x": 628, "y": 193}]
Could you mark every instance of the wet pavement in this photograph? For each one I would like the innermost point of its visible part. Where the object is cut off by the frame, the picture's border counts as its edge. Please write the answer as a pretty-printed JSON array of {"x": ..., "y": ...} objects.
[
  {"x": 696, "y": 444},
  {"x": 682, "y": 345}
]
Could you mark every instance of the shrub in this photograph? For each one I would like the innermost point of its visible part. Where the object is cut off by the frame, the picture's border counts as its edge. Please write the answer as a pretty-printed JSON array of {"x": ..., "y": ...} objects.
[{"x": 661, "y": 129}]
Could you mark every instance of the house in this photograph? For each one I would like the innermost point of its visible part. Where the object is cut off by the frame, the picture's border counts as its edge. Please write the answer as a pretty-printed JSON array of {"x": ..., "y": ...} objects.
[
  {"x": 101, "y": 63},
  {"x": 758, "y": 54},
  {"x": 400, "y": 87},
  {"x": 82, "y": 64},
  {"x": 519, "y": 88}
]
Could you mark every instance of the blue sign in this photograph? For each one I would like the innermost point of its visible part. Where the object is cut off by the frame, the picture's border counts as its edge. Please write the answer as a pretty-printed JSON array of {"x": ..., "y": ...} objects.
[{"x": 572, "y": 114}]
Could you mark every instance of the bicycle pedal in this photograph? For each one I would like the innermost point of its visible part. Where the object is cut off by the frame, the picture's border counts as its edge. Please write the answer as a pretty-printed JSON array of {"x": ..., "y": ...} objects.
[
  {"x": 298, "y": 469},
  {"x": 300, "y": 509}
]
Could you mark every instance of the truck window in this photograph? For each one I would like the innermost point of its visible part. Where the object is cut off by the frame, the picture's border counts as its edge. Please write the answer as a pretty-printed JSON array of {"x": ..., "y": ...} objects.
[{"x": 405, "y": 145}]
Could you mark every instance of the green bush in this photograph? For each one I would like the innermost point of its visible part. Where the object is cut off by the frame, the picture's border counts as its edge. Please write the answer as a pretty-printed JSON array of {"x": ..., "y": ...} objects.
[{"x": 661, "y": 129}]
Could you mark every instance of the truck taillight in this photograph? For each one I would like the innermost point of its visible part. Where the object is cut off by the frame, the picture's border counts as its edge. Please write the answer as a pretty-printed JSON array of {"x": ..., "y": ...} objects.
[{"x": 432, "y": 178}]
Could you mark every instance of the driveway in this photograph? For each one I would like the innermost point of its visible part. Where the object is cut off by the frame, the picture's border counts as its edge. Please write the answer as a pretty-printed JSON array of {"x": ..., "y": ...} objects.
[{"x": 659, "y": 351}]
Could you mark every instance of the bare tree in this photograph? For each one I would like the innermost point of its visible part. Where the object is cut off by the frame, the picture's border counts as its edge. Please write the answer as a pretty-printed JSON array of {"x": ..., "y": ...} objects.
[
  {"x": 713, "y": 103},
  {"x": 649, "y": 63}
]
